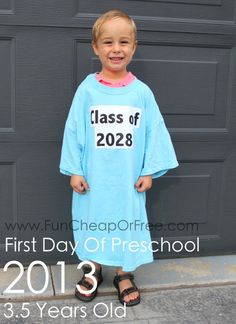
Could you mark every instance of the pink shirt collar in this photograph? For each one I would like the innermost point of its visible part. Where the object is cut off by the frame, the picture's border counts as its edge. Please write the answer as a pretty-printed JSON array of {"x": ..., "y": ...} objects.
[{"x": 127, "y": 80}]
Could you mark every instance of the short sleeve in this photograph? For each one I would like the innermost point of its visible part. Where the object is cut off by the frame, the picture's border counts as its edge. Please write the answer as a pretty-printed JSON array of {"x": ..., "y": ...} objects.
[
  {"x": 74, "y": 138},
  {"x": 159, "y": 154}
]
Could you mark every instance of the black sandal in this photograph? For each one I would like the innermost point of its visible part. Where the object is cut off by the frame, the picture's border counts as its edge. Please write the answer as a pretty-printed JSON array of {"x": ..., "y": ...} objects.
[
  {"x": 98, "y": 275},
  {"x": 127, "y": 291}
]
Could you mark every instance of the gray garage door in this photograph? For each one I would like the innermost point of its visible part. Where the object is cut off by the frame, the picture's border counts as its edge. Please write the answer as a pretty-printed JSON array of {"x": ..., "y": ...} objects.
[{"x": 187, "y": 55}]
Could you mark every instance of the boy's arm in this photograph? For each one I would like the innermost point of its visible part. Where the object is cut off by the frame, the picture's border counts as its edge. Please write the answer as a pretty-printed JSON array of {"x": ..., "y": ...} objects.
[
  {"x": 159, "y": 154},
  {"x": 71, "y": 152},
  {"x": 73, "y": 144}
]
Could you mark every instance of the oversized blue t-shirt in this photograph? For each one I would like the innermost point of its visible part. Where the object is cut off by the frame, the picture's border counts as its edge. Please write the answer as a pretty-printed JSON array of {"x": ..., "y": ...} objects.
[{"x": 112, "y": 137}]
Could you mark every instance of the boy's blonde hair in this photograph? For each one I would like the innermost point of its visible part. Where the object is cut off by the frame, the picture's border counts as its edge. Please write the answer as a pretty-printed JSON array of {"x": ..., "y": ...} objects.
[{"x": 112, "y": 14}]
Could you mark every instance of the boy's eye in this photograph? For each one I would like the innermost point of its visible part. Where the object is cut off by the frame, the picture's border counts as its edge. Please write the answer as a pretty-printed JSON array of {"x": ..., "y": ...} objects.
[
  {"x": 124, "y": 42},
  {"x": 107, "y": 42}
]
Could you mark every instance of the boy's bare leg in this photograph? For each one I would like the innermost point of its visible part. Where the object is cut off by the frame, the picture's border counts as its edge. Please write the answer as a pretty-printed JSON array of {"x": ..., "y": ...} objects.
[
  {"x": 89, "y": 280},
  {"x": 124, "y": 284}
]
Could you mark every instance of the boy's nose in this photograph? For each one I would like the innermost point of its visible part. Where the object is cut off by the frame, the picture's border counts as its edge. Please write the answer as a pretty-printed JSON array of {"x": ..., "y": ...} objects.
[{"x": 116, "y": 47}]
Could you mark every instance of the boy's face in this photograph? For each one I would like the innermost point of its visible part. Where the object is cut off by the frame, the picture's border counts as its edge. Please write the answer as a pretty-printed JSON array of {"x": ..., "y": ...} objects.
[{"x": 115, "y": 45}]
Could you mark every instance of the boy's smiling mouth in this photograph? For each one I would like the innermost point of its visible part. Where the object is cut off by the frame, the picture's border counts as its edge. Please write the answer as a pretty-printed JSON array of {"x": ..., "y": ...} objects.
[{"x": 116, "y": 58}]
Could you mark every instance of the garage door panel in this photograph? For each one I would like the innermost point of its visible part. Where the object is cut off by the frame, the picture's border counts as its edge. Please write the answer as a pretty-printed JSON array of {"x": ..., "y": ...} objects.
[
  {"x": 8, "y": 210},
  {"x": 36, "y": 83},
  {"x": 35, "y": 199},
  {"x": 166, "y": 200},
  {"x": 7, "y": 84},
  {"x": 196, "y": 78},
  {"x": 31, "y": 169},
  {"x": 198, "y": 185},
  {"x": 44, "y": 83},
  {"x": 192, "y": 9},
  {"x": 150, "y": 15},
  {"x": 196, "y": 199},
  {"x": 6, "y": 7},
  {"x": 27, "y": 12}
]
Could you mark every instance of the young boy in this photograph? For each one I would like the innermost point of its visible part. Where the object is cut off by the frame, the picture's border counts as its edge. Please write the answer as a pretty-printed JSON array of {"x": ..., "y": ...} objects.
[{"x": 115, "y": 142}]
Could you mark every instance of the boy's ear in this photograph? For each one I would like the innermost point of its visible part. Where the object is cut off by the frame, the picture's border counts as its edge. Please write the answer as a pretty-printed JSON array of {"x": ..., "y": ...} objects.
[
  {"x": 94, "y": 47},
  {"x": 135, "y": 45}
]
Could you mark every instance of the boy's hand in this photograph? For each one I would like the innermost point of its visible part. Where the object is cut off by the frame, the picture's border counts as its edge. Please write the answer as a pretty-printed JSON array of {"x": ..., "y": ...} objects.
[
  {"x": 144, "y": 183},
  {"x": 79, "y": 184}
]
